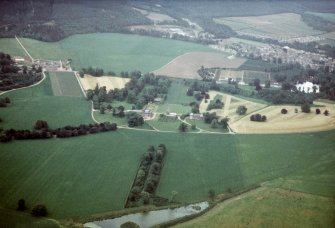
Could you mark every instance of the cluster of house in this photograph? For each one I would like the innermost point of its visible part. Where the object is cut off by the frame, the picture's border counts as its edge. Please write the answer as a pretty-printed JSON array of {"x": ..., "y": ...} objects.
[{"x": 275, "y": 53}]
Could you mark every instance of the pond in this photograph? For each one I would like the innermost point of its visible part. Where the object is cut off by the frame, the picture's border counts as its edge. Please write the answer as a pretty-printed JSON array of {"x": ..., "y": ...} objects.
[{"x": 151, "y": 218}]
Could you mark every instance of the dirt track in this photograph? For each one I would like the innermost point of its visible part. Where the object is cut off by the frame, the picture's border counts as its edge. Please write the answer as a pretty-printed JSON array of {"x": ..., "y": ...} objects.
[{"x": 187, "y": 65}]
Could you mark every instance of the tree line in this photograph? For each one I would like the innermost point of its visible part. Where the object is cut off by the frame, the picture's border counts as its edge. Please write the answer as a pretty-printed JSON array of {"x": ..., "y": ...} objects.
[{"x": 42, "y": 131}]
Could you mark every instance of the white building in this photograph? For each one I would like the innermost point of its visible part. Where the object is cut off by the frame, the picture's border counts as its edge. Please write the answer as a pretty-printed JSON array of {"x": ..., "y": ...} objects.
[{"x": 308, "y": 87}]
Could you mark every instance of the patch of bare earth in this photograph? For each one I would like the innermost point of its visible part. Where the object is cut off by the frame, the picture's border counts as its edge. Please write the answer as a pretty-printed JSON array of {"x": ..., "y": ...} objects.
[
  {"x": 89, "y": 82},
  {"x": 187, "y": 65},
  {"x": 288, "y": 123}
]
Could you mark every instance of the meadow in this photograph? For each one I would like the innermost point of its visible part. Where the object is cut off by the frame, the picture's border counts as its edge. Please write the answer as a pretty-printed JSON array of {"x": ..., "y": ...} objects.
[
  {"x": 12, "y": 47},
  {"x": 110, "y": 51},
  {"x": 256, "y": 209}
]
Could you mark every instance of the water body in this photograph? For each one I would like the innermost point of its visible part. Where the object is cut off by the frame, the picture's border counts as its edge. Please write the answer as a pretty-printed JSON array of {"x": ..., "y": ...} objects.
[{"x": 151, "y": 218}]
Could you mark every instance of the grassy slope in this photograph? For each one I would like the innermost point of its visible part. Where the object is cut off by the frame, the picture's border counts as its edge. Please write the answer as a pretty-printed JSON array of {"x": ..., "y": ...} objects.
[
  {"x": 257, "y": 209},
  {"x": 115, "y": 52},
  {"x": 38, "y": 102}
]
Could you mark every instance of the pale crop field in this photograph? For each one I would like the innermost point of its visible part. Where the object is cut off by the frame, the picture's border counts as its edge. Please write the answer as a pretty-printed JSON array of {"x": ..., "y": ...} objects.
[
  {"x": 111, "y": 83},
  {"x": 284, "y": 25},
  {"x": 187, "y": 65},
  {"x": 289, "y": 123}
]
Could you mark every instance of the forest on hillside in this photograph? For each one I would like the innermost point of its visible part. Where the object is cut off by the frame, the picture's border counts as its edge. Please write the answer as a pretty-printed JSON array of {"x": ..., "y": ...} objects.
[{"x": 52, "y": 20}]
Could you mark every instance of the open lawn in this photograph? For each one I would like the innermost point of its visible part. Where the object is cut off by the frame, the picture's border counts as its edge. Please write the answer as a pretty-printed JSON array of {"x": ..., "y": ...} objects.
[
  {"x": 256, "y": 209},
  {"x": 187, "y": 65},
  {"x": 38, "y": 103},
  {"x": 177, "y": 93},
  {"x": 112, "y": 51},
  {"x": 164, "y": 124},
  {"x": 277, "y": 26}
]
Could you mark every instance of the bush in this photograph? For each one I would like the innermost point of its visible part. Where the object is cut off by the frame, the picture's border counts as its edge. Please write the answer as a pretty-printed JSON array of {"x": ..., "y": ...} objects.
[
  {"x": 241, "y": 110},
  {"x": 326, "y": 113},
  {"x": 284, "y": 111},
  {"x": 39, "y": 210}
]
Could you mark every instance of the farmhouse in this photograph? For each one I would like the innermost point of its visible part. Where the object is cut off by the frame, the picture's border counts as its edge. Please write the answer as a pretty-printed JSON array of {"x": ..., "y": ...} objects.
[
  {"x": 18, "y": 59},
  {"x": 171, "y": 115}
]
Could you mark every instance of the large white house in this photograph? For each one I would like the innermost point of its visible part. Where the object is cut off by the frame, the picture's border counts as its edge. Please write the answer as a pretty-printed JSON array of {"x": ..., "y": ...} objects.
[{"x": 308, "y": 87}]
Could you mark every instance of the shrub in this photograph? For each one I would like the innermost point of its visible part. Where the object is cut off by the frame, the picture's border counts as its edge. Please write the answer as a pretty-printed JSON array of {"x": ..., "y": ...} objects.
[
  {"x": 326, "y": 113},
  {"x": 39, "y": 210}
]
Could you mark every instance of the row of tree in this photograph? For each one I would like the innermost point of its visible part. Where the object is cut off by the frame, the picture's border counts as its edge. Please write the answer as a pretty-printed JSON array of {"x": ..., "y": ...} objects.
[
  {"x": 147, "y": 177},
  {"x": 42, "y": 131}
]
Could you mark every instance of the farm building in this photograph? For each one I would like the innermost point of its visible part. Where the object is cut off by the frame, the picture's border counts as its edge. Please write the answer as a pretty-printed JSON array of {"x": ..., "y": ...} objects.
[
  {"x": 18, "y": 59},
  {"x": 196, "y": 116},
  {"x": 308, "y": 87}
]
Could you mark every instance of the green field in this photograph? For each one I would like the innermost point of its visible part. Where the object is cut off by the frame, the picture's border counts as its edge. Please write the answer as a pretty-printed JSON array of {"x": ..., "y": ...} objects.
[
  {"x": 284, "y": 25},
  {"x": 38, "y": 102},
  {"x": 207, "y": 127},
  {"x": 12, "y": 47},
  {"x": 177, "y": 93},
  {"x": 165, "y": 124},
  {"x": 116, "y": 52}
]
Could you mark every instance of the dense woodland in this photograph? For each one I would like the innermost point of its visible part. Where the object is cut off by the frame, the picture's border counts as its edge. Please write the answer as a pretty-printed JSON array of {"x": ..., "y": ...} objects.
[{"x": 52, "y": 20}]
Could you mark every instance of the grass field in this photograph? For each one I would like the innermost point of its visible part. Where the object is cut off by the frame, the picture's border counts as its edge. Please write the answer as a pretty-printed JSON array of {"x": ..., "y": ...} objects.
[
  {"x": 256, "y": 209},
  {"x": 116, "y": 52},
  {"x": 193, "y": 166},
  {"x": 277, "y": 26},
  {"x": 165, "y": 124},
  {"x": 176, "y": 100},
  {"x": 12, "y": 47},
  {"x": 38, "y": 102},
  {"x": 177, "y": 92}
]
